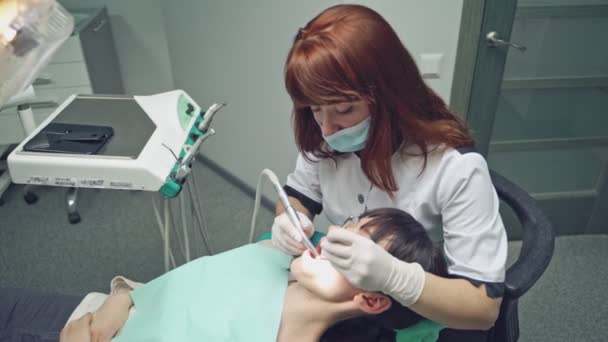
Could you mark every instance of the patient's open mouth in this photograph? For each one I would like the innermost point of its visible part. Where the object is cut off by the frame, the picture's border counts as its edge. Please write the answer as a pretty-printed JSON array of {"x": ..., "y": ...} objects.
[{"x": 319, "y": 252}]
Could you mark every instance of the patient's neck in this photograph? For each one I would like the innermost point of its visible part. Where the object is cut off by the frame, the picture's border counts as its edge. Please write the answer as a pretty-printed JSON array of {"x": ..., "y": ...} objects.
[{"x": 305, "y": 316}]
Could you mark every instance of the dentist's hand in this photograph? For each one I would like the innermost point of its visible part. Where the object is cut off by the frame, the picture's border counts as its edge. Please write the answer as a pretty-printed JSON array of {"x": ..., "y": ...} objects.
[
  {"x": 368, "y": 266},
  {"x": 286, "y": 237}
]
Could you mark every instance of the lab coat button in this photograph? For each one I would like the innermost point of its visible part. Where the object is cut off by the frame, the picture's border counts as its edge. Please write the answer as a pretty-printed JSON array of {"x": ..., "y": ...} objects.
[{"x": 360, "y": 198}]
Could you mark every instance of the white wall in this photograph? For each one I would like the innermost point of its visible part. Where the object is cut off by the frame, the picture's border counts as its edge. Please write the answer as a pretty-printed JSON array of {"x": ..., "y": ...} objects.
[
  {"x": 141, "y": 42},
  {"x": 234, "y": 51},
  {"x": 426, "y": 27}
]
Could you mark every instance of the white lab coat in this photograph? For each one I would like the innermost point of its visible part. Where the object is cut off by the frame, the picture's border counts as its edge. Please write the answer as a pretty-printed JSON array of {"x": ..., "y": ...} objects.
[{"x": 452, "y": 198}]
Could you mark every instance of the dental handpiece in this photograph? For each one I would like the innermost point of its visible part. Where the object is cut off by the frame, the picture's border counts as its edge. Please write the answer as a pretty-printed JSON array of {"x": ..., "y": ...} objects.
[
  {"x": 290, "y": 211},
  {"x": 295, "y": 220},
  {"x": 208, "y": 117},
  {"x": 184, "y": 168}
]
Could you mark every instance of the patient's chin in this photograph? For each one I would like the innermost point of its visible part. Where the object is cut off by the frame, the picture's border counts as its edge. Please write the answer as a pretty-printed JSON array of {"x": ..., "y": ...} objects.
[
  {"x": 296, "y": 267},
  {"x": 331, "y": 294}
]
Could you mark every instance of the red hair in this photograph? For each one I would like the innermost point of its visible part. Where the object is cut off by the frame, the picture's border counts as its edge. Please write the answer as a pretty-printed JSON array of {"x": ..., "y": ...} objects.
[{"x": 349, "y": 52}]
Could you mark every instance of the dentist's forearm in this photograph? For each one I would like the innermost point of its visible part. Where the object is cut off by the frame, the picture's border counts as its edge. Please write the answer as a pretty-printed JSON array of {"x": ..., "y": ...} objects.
[{"x": 456, "y": 303}]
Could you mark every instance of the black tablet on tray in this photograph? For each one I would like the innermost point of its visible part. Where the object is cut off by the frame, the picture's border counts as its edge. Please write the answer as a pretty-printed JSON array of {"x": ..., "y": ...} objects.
[{"x": 70, "y": 138}]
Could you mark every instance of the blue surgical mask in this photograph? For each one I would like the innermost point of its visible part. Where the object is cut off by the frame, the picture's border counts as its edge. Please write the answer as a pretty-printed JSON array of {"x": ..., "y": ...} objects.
[{"x": 350, "y": 139}]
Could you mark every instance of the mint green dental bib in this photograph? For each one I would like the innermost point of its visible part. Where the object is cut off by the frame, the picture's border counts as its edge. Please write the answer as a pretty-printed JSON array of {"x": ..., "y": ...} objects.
[{"x": 234, "y": 296}]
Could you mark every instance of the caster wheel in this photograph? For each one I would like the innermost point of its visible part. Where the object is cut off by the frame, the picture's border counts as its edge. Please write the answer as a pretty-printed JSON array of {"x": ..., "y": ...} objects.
[
  {"x": 30, "y": 198},
  {"x": 74, "y": 218}
]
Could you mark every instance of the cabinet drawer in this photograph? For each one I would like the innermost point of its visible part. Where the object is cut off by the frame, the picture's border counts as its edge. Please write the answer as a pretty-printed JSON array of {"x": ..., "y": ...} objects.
[
  {"x": 63, "y": 75},
  {"x": 11, "y": 130},
  {"x": 70, "y": 51}
]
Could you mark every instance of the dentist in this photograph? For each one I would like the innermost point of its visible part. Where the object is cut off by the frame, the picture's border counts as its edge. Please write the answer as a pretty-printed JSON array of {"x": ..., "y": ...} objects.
[{"x": 372, "y": 134}]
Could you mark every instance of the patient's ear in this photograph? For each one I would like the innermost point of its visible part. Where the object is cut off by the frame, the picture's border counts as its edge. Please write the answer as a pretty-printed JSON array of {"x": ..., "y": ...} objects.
[{"x": 372, "y": 302}]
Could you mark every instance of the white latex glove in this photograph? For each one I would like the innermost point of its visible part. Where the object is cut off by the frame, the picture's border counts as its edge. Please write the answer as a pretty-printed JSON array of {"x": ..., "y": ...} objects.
[
  {"x": 286, "y": 237},
  {"x": 370, "y": 267}
]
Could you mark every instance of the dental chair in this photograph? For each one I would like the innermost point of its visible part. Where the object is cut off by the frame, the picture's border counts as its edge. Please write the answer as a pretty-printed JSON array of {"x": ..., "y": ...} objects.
[{"x": 534, "y": 257}]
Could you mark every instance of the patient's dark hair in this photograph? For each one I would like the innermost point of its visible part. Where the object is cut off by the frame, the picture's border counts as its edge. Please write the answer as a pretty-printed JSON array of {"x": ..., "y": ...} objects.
[{"x": 407, "y": 240}]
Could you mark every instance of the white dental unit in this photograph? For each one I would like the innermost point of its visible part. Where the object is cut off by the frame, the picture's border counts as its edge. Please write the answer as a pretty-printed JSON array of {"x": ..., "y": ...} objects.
[{"x": 144, "y": 143}]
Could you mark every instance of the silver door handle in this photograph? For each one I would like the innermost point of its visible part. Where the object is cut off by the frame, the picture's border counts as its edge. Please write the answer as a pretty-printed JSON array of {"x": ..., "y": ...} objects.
[{"x": 494, "y": 41}]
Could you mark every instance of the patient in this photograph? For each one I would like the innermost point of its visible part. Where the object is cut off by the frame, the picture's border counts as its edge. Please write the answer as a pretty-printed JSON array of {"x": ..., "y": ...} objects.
[{"x": 246, "y": 294}]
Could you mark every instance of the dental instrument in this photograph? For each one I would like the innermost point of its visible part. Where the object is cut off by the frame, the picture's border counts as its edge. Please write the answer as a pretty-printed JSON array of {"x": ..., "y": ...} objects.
[
  {"x": 289, "y": 210},
  {"x": 347, "y": 221}
]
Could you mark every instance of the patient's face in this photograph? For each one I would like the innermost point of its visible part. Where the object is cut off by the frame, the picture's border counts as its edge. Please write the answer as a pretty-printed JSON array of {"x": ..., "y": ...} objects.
[{"x": 320, "y": 277}]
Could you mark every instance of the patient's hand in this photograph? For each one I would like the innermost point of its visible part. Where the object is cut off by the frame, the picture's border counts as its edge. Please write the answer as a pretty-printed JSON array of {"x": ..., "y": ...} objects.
[
  {"x": 110, "y": 317},
  {"x": 78, "y": 330}
]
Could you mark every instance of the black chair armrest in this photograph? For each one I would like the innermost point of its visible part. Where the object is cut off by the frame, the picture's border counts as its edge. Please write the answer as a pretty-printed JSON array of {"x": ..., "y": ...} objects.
[{"x": 537, "y": 242}]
